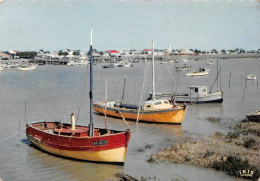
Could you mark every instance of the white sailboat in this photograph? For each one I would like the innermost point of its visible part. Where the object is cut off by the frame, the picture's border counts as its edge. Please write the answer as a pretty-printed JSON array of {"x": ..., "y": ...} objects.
[{"x": 200, "y": 72}]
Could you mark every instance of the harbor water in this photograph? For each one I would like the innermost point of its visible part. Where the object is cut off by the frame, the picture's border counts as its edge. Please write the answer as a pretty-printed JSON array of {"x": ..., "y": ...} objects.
[{"x": 53, "y": 92}]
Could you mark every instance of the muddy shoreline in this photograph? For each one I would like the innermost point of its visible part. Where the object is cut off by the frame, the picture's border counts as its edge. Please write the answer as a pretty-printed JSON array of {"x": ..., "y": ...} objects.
[{"x": 236, "y": 153}]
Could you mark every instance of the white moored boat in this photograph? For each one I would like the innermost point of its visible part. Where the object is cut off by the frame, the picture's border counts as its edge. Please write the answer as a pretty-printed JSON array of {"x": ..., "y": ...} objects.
[
  {"x": 251, "y": 77},
  {"x": 200, "y": 72},
  {"x": 197, "y": 95},
  {"x": 210, "y": 62}
]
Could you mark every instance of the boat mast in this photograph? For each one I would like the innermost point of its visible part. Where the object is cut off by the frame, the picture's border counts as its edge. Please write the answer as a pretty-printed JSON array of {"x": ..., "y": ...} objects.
[
  {"x": 153, "y": 96},
  {"x": 91, "y": 127}
]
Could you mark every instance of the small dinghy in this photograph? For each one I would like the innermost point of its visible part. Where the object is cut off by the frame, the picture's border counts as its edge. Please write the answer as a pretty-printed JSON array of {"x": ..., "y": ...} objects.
[{"x": 251, "y": 77}]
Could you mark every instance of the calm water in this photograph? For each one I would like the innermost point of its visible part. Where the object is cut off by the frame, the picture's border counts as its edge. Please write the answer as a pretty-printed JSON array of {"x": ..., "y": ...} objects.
[{"x": 54, "y": 92}]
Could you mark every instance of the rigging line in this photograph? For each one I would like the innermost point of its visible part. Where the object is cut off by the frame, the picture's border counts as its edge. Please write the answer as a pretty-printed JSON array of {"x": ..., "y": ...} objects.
[
  {"x": 148, "y": 153},
  {"x": 160, "y": 79},
  {"x": 216, "y": 79},
  {"x": 175, "y": 83},
  {"x": 143, "y": 146},
  {"x": 124, "y": 119},
  {"x": 148, "y": 66},
  {"x": 83, "y": 90},
  {"x": 75, "y": 81},
  {"x": 137, "y": 118},
  {"x": 106, "y": 106},
  {"x": 11, "y": 136},
  {"x": 172, "y": 79}
]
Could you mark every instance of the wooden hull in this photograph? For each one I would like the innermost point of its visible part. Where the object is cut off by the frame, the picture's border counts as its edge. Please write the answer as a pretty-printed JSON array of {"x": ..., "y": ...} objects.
[
  {"x": 168, "y": 116},
  {"x": 107, "y": 147}
]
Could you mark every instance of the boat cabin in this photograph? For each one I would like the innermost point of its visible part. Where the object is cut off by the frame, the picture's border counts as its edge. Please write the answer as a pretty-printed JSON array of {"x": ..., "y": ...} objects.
[
  {"x": 157, "y": 104},
  {"x": 200, "y": 90},
  {"x": 203, "y": 70}
]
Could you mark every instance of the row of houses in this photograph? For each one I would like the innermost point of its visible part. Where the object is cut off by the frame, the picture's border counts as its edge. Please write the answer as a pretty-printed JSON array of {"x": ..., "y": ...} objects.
[{"x": 108, "y": 54}]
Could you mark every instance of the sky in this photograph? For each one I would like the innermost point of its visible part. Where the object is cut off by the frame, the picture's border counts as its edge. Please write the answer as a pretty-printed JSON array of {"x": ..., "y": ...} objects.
[{"x": 129, "y": 24}]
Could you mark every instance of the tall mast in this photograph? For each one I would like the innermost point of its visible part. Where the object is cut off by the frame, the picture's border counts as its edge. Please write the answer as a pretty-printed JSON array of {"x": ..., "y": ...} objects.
[
  {"x": 153, "y": 96},
  {"x": 91, "y": 127}
]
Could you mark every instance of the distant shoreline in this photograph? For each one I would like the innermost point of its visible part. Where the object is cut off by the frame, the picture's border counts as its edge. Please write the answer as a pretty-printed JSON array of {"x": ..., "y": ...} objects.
[
  {"x": 217, "y": 56},
  {"x": 137, "y": 58}
]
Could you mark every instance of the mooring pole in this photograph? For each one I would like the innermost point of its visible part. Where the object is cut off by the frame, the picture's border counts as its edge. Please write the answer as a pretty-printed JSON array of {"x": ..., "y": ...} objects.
[
  {"x": 241, "y": 79},
  {"x": 123, "y": 95},
  {"x": 229, "y": 78}
]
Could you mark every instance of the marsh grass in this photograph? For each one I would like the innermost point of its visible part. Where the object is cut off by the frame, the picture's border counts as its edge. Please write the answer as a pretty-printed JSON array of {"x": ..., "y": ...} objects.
[
  {"x": 213, "y": 119},
  {"x": 229, "y": 153}
]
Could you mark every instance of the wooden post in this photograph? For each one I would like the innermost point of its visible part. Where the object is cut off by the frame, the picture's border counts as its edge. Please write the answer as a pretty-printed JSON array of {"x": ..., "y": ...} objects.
[
  {"x": 19, "y": 141},
  {"x": 229, "y": 78},
  {"x": 190, "y": 97},
  {"x": 241, "y": 79},
  {"x": 244, "y": 93},
  {"x": 245, "y": 82},
  {"x": 123, "y": 91}
]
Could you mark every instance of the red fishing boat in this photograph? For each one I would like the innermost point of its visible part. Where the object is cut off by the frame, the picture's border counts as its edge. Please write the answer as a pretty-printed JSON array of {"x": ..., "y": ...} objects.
[{"x": 80, "y": 142}]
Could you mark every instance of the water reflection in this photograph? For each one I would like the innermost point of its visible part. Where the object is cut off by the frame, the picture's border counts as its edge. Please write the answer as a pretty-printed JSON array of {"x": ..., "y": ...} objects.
[{"x": 68, "y": 169}]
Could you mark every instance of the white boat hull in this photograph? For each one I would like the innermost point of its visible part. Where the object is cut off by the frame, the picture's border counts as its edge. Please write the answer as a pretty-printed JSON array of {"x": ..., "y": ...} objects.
[
  {"x": 251, "y": 77},
  {"x": 196, "y": 74},
  {"x": 216, "y": 97},
  {"x": 210, "y": 97}
]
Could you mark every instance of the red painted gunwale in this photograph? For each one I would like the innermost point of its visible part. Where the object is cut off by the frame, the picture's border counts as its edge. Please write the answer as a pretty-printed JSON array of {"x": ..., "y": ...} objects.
[{"x": 115, "y": 139}]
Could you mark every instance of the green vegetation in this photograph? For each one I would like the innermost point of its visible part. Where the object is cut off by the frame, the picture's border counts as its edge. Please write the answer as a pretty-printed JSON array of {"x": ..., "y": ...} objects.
[
  {"x": 61, "y": 53},
  {"x": 26, "y": 54}
]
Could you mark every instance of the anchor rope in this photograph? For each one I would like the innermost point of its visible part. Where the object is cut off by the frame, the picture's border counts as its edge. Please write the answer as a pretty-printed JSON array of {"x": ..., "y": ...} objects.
[
  {"x": 3, "y": 140},
  {"x": 148, "y": 153}
]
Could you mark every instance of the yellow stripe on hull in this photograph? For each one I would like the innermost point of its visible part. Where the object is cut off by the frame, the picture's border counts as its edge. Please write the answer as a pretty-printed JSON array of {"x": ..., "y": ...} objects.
[
  {"x": 169, "y": 117},
  {"x": 115, "y": 155}
]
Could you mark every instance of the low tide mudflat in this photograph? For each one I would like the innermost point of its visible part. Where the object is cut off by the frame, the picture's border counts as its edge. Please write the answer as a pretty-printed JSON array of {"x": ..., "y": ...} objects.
[{"x": 52, "y": 93}]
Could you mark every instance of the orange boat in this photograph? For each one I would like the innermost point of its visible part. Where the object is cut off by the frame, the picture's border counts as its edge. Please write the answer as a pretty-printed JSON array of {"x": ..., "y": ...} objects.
[
  {"x": 80, "y": 142},
  {"x": 153, "y": 111}
]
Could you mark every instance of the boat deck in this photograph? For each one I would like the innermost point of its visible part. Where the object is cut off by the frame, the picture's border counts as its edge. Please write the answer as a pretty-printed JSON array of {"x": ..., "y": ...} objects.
[{"x": 64, "y": 129}]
